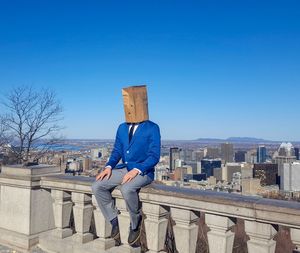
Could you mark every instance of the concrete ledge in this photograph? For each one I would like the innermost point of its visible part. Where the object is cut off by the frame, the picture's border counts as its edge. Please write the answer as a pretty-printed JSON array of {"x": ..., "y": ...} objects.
[
  {"x": 17, "y": 241},
  {"x": 50, "y": 243},
  {"x": 231, "y": 205},
  {"x": 36, "y": 170}
]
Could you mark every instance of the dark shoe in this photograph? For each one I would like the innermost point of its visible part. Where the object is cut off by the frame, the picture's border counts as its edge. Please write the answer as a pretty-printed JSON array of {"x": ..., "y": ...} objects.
[
  {"x": 134, "y": 234},
  {"x": 115, "y": 232}
]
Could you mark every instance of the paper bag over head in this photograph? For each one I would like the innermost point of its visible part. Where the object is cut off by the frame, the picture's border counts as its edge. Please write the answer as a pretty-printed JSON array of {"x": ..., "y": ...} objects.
[{"x": 135, "y": 103}]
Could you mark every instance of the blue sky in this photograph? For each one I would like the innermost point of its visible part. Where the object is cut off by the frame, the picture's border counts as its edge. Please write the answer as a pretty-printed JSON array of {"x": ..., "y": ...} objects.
[{"x": 213, "y": 68}]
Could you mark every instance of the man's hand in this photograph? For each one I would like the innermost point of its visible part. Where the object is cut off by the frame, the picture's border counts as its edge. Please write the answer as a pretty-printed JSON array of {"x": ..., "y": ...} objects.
[
  {"x": 106, "y": 173},
  {"x": 130, "y": 175}
]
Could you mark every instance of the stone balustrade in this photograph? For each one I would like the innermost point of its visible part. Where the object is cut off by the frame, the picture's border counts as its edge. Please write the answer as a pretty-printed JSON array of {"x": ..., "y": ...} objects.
[{"x": 172, "y": 218}]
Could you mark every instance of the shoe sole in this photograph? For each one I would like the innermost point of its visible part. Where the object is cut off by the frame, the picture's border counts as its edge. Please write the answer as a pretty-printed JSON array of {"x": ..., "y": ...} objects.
[
  {"x": 138, "y": 237},
  {"x": 135, "y": 239}
]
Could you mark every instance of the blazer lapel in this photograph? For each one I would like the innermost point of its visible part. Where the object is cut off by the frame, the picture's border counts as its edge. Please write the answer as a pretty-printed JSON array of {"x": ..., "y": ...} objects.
[{"x": 137, "y": 133}]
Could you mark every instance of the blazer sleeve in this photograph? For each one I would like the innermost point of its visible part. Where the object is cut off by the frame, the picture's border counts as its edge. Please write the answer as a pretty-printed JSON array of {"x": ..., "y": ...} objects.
[
  {"x": 153, "y": 152},
  {"x": 116, "y": 153}
]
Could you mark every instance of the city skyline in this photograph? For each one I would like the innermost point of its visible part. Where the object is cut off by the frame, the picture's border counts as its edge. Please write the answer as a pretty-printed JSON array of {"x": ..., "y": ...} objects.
[{"x": 213, "y": 70}]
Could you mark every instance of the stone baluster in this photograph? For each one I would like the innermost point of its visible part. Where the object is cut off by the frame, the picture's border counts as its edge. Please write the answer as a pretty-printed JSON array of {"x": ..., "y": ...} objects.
[
  {"x": 295, "y": 237},
  {"x": 83, "y": 211},
  {"x": 156, "y": 226},
  {"x": 124, "y": 223},
  {"x": 103, "y": 229},
  {"x": 185, "y": 230},
  {"x": 261, "y": 237},
  {"x": 220, "y": 238},
  {"x": 62, "y": 208}
]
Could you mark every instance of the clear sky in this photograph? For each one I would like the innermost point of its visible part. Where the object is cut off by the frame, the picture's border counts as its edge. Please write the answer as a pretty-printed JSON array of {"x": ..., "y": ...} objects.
[{"x": 213, "y": 68}]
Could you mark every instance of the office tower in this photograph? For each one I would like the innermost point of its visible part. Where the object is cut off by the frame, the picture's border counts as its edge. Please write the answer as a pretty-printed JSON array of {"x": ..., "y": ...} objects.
[
  {"x": 178, "y": 173},
  {"x": 208, "y": 166},
  {"x": 290, "y": 177},
  {"x": 218, "y": 174},
  {"x": 194, "y": 166},
  {"x": 229, "y": 169},
  {"x": 261, "y": 154},
  {"x": 198, "y": 155},
  {"x": 98, "y": 153},
  {"x": 251, "y": 156},
  {"x": 174, "y": 155},
  {"x": 186, "y": 155},
  {"x": 240, "y": 156},
  {"x": 236, "y": 181},
  {"x": 285, "y": 154},
  {"x": 178, "y": 163},
  {"x": 227, "y": 152},
  {"x": 286, "y": 149},
  {"x": 247, "y": 170},
  {"x": 296, "y": 150},
  {"x": 250, "y": 186},
  {"x": 267, "y": 172},
  {"x": 86, "y": 163},
  {"x": 211, "y": 153}
]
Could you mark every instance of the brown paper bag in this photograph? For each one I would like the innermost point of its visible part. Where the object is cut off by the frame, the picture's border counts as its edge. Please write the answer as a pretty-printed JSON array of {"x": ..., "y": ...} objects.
[{"x": 135, "y": 103}]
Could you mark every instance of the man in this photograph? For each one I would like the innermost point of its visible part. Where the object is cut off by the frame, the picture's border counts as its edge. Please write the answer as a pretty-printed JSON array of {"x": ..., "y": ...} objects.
[{"x": 137, "y": 145}]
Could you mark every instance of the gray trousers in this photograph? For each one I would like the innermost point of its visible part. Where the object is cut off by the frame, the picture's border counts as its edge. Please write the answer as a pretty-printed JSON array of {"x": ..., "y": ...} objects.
[{"x": 102, "y": 190}]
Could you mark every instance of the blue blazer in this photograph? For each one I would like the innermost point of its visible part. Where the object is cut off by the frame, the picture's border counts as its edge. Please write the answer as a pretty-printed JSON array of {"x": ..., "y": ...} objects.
[{"x": 143, "y": 152}]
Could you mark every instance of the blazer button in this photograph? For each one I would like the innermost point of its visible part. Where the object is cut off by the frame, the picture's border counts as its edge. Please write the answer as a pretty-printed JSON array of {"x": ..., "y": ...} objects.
[
  {"x": 127, "y": 152},
  {"x": 126, "y": 162}
]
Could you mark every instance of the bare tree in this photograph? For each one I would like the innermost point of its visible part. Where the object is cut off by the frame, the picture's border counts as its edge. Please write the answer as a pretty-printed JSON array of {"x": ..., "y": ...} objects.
[
  {"x": 3, "y": 133},
  {"x": 32, "y": 118}
]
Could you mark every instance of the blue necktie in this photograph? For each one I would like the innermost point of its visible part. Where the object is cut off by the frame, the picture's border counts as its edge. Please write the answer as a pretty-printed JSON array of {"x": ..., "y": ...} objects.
[{"x": 131, "y": 132}]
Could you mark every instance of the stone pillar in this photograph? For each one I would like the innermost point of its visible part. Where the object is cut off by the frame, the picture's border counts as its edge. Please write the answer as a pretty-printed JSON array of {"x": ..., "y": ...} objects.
[
  {"x": 83, "y": 211},
  {"x": 124, "y": 223},
  {"x": 295, "y": 237},
  {"x": 156, "y": 226},
  {"x": 185, "y": 230},
  {"x": 103, "y": 229},
  {"x": 26, "y": 210},
  {"x": 62, "y": 207},
  {"x": 261, "y": 237},
  {"x": 220, "y": 238}
]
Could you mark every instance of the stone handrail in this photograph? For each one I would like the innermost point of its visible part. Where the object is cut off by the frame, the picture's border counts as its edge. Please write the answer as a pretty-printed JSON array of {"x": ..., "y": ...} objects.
[
  {"x": 261, "y": 216},
  {"x": 254, "y": 208},
  {"x": 38, "y": 205}
]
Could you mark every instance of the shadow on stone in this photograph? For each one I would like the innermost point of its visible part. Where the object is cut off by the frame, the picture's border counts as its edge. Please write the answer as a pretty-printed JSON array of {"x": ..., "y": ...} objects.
[
  {"x": 170, "y": 245},
  {"x": 202, "y": 241}
]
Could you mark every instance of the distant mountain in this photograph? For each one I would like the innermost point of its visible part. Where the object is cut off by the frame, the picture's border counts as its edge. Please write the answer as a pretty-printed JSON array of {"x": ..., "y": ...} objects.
[
  {"x": 246, "y": 139},
  {"x": 235, "y": 140}
]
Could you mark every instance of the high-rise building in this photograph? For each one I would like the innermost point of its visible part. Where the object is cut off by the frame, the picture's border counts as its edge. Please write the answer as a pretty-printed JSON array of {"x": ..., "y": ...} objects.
[
  {"x": 186, "y": 155},
  {"x": 247, "y": 170},
  {"x": 296, "y": 150},
  {"x": 211, "y": 153},
  {"x": 198, "y": 155},
  {"x": 194, "y": 166},
  {"x": 290, "y": 177},
  {"x": 251, "y": 156},
  {"x": 285, "y": 154},
  {"x": 267, "y": 172},
  {"x": 208, "y": 166},
  {"x": 86, "y": 163},
  {"x": 174, "y": 155},
  {"x": 261, "y": 154},
  {"x": 230, "y": 169},
  {"x": 250, "y": 186},
  {"x": 240, "y": 156},
  {"x": 227, "y": 153},
  {"x": 98, "y": 153}
]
